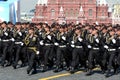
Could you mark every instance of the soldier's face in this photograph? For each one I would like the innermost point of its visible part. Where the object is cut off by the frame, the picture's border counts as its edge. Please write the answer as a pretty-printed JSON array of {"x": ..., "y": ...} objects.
[
  {"x": 46, "y": 29},
  {"x": 61, "y": 29},
  {"x": 27, "y": 25},
  {"x": 98, "y": 27},
  {"x": 104, "y": 31},
  {"x": 109, "y": 28},
  {"x": 10, "y": 25},
  {"x": 90, "y": 30},
  {"x": 18, "y": 26},
  {"x": 87, "y": 27},
  {"x": 94, "y": 32},
  {"x": 3, "y": 25},
  {"x": 23, "y": 26},
  {"x": 77, "y": 31},
  {"x": 118, "y": 32},
  {"x": 38, "y": 26},
  {"x": 53, "y": 29},
  {"x": 112, "y": 33},
  {"x": 44, "y": 25},
  {"x": 31, "y": 31}
]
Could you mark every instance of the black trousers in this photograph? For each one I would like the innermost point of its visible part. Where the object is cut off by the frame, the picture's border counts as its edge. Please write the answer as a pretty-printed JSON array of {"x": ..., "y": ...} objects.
[
  {"x": 111, "y": 60},
  {"x": 17, "y": 54},
  {"x": 0, "y": 49},
  {"x": 78, "y": 57},
  {"x": 5, "y": 48},
  {"x": 118, "y": 57},
  {"x": 104, "y": 59},
  {"x": 41, "y": 54},
  {"x": 62, "y": 54},
  {"x": 10, "y": 56},
  {"x": 23, "y": 55},
  {"x": 94, "y": 57},
  {"x": 31, "y": 59},
  {"x": 47, "y": 53}
]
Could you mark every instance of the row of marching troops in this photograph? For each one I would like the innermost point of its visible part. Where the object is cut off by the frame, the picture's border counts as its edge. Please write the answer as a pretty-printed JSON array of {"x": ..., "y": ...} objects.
[{"x": 60, "y": 47}]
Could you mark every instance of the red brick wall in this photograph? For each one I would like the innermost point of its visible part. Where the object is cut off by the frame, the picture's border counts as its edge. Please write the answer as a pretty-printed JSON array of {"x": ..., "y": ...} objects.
[{"x": 71, "y": 10}]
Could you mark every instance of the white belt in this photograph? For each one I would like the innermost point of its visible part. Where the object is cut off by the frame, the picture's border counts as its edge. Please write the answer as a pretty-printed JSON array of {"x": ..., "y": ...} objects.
[
  {"x": 62, "y": 46},
  {"x": 78, "y": 46},
  {"x": 18, "y": 42},
  {"x": 118, "y": 47},
  {"x": 47, "y": 44},
  {"x": 111, "y": 49},
  {"x": 96, "y": 48},
  {"x": 5, "y": 40}
]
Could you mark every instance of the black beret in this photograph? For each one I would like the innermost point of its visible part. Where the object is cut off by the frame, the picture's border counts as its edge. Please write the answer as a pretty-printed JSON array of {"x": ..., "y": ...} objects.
[{"x": 18, "y": 23}]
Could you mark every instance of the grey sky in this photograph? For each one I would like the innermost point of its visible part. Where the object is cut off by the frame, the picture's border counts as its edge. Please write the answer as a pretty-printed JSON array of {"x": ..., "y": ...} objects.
[{"x": 27, "y": 5}]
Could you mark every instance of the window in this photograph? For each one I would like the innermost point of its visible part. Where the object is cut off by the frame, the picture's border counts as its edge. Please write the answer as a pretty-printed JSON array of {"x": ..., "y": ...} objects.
[
  {"x": 102, "y": 12},
  {"x": 90, "y": 0},
  {"x": 71, "y": 13},
  {"x": 76, "y": 13},
  {"x": 40, "y": 12},
  {"x": 66, "y": 12},
  {"x": 53, "y": 1},
  {"x": 90, "y": 12},
  {"x": 52, "y": 12}
]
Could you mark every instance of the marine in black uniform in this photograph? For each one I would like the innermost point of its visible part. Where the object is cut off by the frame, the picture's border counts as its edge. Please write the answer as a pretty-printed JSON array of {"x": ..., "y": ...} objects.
[
  {"x": 48, "y": 43},
  {"x": 62, "y": 53},
  {"x": 0, "y": 42},
  {"x": 11, "y": 46},
  {"x": 18, "y": 43},
  {"x": 103, "y": 50},
  {"x": 94, "y": 54},
  {"x": 40, "y": 32},
  {"x": 31, "y": 42},
  {"x": 111, "y": 47},
  {"x": 78, "y": 54},
  {"x": 118, "y": 51},
  {"x": 5, "y": 40}
]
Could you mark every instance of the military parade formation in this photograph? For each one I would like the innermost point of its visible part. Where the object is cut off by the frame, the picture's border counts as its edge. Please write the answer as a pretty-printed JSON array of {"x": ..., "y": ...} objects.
[{"x": 58, "y": 47}]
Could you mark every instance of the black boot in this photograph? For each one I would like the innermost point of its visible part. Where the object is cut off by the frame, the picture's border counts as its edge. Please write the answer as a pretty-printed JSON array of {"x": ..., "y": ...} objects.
[
  {"x": 44, "y": 68},
  {"x": 103, "y": 72},
  {"x": 72, "y": 70},
  {"x": 57, "y": 69},
  {"x": 8, "y": 64},
  {"x": 116, "y": 71},
  {"x": 2, "y": 64},
  {"x": 34, "y": 72},
  {"x": 89, "y": 72},
  {"x": 108, "y": 74},
  {"x": 29, "y": 70},
  {"x": 14, "y": 66},
  {"x": 68, "y": 69}
]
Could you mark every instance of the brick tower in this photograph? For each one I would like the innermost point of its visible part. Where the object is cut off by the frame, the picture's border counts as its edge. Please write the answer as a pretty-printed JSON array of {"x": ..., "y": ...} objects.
[{"x": 103, "y": 12}]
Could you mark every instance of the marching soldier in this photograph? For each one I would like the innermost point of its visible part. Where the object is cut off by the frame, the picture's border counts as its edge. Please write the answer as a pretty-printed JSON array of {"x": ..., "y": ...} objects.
[
  {"x": 31, "y": 42},
  {"x": 94, "y": 43},
  {"x": 5, "y": 39},
  {"x": 10, "y": 27},
  {"x": 78, "y": 51},
  {"x": 62, "y": 53},
  {"x": 48, "y": 43},
  {"x": 86, "y": 31},
  {"x": 0, "y": 41},
  {"x": 103, "y": 50},
  {"x": 39, "y": 32},
  {"x": 118, "y": 51},
  {"x": 18, "y": 36},
  {"x": 111, "y": 47}
]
